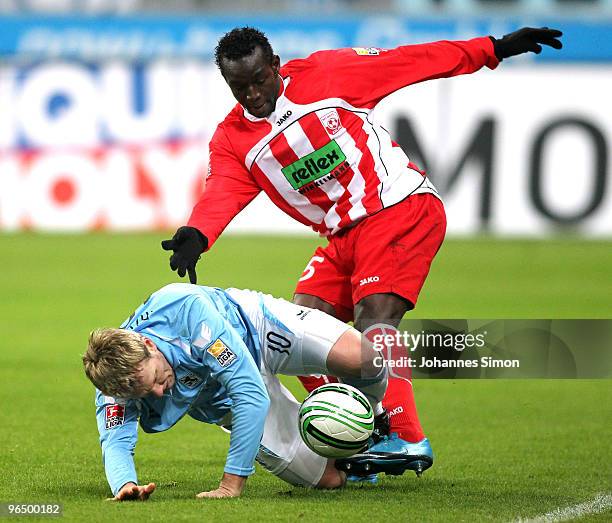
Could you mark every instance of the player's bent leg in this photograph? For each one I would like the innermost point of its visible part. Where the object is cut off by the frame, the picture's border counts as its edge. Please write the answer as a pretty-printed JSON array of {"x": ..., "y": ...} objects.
[
  {"x": 407, "y": 437},
  {"x": 317, "y": 343},
  {"x": 284, "y": 453},
  {"x": 311, "y": 336},
  {"x": 389, "y": 308},
  {"x": 392, "y": 261},
  {"x": 341, "y": 351},
  {"x": 282, "y": 450}
]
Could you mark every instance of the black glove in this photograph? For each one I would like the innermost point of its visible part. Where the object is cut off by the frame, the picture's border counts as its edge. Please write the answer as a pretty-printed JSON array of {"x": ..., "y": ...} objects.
[
  {"x": 525, "y": 40},
  {"x": 188, "y": 244}
]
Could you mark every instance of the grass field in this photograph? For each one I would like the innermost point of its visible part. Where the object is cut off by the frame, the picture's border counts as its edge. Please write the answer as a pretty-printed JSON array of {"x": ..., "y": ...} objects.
[{"x": 504, "y": 448}]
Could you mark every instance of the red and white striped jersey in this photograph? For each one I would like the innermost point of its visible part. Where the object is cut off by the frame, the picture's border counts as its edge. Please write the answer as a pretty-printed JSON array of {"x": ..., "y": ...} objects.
[{"x": 319, "y": 156}]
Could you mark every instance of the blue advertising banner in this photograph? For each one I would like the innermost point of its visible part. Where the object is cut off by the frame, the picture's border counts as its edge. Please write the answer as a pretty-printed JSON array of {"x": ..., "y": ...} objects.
[{"x": 148, "y": 37}]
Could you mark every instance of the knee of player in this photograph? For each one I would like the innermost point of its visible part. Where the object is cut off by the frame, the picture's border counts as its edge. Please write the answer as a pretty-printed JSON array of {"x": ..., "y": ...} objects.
[
  {"x": 332, "y": 478},
  {"x": 345, "y": 357},
  {"x": 372, "y": 360}
]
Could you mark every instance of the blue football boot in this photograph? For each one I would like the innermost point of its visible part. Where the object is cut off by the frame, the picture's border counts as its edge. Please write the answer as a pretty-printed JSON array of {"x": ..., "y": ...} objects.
[{"x": 391, "y": 455}]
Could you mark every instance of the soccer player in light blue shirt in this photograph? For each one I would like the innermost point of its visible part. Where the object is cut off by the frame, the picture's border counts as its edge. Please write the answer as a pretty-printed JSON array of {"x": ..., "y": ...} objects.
[{"x": 214, "y": 354}]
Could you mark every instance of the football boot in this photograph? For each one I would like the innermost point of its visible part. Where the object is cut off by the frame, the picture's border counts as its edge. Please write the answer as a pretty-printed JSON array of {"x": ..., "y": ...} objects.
[{"x": 391, "y": 455}]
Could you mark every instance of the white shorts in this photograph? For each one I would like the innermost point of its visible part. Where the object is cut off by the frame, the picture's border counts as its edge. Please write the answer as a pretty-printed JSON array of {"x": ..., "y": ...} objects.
[{"x": 295, "y": 341}]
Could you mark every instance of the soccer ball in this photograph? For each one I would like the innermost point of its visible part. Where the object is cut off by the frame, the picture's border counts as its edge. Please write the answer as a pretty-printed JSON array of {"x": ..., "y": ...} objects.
[{"x": 336, "y": 420}]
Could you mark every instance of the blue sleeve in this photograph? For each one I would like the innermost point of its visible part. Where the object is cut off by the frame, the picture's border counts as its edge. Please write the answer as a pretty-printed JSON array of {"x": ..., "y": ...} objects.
[
  {"x": 118, "y": 428},
  {"x": 223, "y": 351}
]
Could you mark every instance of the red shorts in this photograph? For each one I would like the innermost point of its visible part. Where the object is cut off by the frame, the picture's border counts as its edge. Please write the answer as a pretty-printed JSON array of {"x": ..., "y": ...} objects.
[{"x": 389, "y": 252}]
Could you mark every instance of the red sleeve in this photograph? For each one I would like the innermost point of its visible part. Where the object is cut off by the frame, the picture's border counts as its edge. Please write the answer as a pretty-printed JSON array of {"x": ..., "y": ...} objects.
[
  {"x": 364, "y": 76},
  {"x": 229, "y": 189}
]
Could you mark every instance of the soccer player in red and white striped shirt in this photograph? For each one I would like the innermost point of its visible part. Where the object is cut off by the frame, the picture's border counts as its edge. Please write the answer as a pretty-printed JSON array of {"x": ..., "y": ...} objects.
[{"x": 303, "y": 134}]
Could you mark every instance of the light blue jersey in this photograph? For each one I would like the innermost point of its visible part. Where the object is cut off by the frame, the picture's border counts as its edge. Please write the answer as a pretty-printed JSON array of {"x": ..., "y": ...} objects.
[{"x": 215, "y": 352}]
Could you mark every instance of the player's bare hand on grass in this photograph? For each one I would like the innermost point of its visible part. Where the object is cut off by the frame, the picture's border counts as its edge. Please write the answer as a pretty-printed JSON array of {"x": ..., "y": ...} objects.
[
  {"x": 133, "y": 492},
  {"x": 527, "y": 39},
  {"x": 187, "y": 245},
  {"x": 231, "y": 487}
]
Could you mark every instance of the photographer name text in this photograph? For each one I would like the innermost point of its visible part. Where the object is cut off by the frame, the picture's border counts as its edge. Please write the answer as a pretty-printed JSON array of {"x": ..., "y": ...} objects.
[{"x": 437, "y": 363}]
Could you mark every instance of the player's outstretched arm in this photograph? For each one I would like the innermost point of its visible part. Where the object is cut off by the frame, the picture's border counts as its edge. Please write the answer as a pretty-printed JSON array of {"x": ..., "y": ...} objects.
[
  {"x": 231, "y": 487},
  {"x": 187, "y": 244},
  {"x": 525, "y": 40},
  {"x": 133, "y": 492}
]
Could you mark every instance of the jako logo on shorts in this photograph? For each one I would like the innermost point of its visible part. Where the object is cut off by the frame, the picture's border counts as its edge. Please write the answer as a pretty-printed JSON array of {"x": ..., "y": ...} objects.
[{"x": 369, "y": 279}]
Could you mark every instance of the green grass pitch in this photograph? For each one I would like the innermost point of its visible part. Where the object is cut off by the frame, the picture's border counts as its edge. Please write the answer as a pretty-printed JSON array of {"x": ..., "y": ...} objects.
[{"x": 504, "y": 449}]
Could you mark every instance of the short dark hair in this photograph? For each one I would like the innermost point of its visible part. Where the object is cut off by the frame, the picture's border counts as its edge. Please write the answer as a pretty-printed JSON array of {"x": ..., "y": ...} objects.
[{"x": 241, "y": 42}]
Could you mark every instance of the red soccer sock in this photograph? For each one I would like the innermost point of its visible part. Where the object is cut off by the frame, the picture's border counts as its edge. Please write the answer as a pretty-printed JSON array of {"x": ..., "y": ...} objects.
[
  {"x": 399, "y": 402},
  {"x": 310, "y": 383}
]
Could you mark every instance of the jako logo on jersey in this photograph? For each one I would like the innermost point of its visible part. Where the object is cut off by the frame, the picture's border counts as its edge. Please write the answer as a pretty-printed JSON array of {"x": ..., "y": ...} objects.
[
  {"x": 115, "y": 416},
  {"x": 283, "y": 118},
  {"x": 369, "y": 279},
  {"x": 222, "y": 353},
  {"x": 331, "y": 122},
  {"x": 327, "y": 161}
]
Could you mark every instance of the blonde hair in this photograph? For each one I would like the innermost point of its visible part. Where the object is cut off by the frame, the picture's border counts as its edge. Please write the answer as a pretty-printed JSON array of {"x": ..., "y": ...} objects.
[{"x": 112, "y": 359}]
